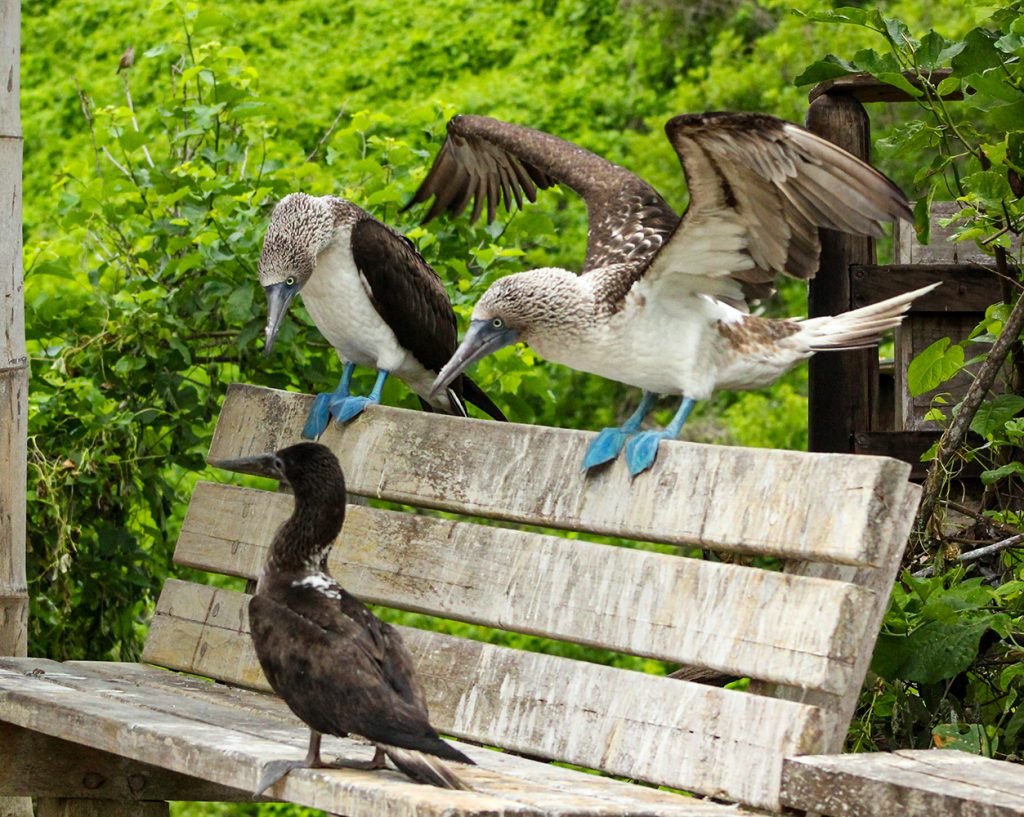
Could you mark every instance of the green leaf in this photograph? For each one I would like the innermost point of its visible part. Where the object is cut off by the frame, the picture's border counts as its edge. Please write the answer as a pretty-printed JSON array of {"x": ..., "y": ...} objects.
[
  {"x": 967, "y": 737},
  {"x": 993, "y": 414},
  {"x": 935, "y": 651},
  {"x": 824, "y": 70},
  {"x": 994, "y": 475},
  {"x": 934, "y": 366}
]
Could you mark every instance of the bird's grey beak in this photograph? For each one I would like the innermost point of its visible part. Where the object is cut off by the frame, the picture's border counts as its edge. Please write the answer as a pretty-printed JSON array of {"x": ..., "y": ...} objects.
[
  {"x": 261, "y": 465},
  {"x": 481, "y": 339},
  {"x": 279, "y": 297}
]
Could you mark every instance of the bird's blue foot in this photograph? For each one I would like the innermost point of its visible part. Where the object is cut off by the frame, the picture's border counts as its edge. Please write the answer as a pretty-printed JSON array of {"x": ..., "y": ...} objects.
[
  {"x": 352, "y": 407},
  {"x": 642, "y": 450},
  {"x": 605, "y": 447},
  {"x": 319, "y": 417},
  {"x": 327, "y": 405}
]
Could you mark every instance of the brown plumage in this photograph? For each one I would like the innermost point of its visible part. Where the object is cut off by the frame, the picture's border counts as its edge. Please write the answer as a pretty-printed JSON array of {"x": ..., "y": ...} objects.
[{"x": 338, "y": 667}]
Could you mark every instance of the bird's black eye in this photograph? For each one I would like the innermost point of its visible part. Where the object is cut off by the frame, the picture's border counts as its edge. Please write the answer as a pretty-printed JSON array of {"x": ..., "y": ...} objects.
[
  {"x": 497, "y": 323},
  {"x": 290, "y": 281},
  {"x": 279, "y": 464}
]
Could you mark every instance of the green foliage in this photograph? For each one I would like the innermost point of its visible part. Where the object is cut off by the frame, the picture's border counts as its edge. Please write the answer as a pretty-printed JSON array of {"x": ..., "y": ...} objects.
[
  {"x": 948, "y": 664},
  {"x": 948, "y": 669}
]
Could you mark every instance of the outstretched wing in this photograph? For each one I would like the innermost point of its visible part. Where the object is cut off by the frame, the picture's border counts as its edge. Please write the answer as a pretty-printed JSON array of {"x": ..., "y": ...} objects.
[
  {"x": 760, "y": 188},
  {"x": 406, "y": 292},
  {"x": 489, "y": 162}
]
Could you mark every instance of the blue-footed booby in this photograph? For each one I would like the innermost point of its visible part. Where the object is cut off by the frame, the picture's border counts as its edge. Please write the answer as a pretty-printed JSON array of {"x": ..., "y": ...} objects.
[
  {"x": 374, "y": 298},
  {"x": 661, "y": 303},
  {"x": 339, "y": 668}
]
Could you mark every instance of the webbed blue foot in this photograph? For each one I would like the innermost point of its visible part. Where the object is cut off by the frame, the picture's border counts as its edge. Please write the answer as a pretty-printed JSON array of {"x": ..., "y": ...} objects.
[
  {"x": 642, "y": 450},
  {"x": 605, "y": 447},
  {"x": 609, "y": 442},
  {"x": 319, "y": 417},
  {"x": 352, "y": 407},
  {"x": 325, "y": 405}
]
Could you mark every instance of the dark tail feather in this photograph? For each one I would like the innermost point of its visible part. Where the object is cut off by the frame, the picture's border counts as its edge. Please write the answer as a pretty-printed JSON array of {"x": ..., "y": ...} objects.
[
  {"x": 424, "y": 768},
  {"x": 475, "y": 395}
]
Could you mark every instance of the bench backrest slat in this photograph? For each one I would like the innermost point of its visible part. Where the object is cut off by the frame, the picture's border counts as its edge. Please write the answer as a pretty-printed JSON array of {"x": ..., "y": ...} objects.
[
  {"x": 725, "y": 617},
  {"x": 628, "y": 723},
  {"x": 817, "y": 507}
]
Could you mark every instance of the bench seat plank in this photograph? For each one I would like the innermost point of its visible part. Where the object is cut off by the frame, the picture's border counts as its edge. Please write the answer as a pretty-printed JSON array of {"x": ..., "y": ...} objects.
[
  {"x": 726, "y": 617},
  {"x": 809, "y": 506},
  {"x": 691, "y": 734},
  {"x": 137, "y": 712},
  {"x": 922, "y": 782}
]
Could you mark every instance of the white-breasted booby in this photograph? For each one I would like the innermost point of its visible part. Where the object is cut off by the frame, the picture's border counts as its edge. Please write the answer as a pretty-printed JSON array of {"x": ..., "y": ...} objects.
[
  {"x": 373, "y": 297},
  {"x": 662, "y": 301},
  {"x": 339, "y": 668}
]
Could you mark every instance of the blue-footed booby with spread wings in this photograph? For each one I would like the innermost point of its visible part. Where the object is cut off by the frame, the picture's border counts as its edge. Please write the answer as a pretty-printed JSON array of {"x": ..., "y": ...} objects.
[
  {"x": 374, "y": 298},
  {"x": 662, "y": 302}
]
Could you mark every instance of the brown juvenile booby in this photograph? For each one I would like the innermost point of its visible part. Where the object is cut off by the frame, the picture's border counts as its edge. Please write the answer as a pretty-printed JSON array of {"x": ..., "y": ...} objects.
[
  {"x": 338, "y": 667},
  {"x": 662, "y": 301},
  {"x": 371, "y": 294}
]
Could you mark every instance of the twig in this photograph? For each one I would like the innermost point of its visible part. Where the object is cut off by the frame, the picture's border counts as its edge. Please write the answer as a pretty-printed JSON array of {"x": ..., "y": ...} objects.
[
  {"x": 117, "y": 164},
  {"x": 954, "y": 435},
  {"x": 978, "y": 553},
  {"x": 84, "y": 101},
  {"x": 980, "y": 517},
  {"x": 330, "y": 130},
  {"x": 135, "y": 123}
]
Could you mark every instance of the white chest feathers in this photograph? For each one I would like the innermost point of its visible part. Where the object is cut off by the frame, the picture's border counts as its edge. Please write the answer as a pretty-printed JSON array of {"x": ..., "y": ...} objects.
[
  {"x": 337, "y": 297},
  {"x": 321, "y": 583}
]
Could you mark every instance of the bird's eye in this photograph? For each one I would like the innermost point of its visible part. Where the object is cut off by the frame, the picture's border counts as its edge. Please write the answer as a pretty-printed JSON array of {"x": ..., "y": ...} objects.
[
  {"x": 497, "y": 323},
  {"x": 290, "y": 281},
  {"x": 279, "y": 464}
]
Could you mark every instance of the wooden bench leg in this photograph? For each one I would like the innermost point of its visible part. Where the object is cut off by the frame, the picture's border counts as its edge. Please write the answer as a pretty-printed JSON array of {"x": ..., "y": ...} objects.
[{"x": 68, "y": 807}]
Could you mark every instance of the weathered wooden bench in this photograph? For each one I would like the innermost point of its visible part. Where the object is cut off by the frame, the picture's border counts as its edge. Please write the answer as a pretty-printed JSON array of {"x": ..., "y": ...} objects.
[{"x": 121, "y": 738}]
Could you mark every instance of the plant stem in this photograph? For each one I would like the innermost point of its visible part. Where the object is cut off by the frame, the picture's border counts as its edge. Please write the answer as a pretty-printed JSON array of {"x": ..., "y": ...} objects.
[{"x": 953, "y": 437}]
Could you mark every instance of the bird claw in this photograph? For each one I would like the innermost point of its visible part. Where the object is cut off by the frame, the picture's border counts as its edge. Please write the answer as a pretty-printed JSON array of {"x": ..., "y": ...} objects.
[
  {"x": 319, "y": 417},
  {"x": 605, "y": 447},
  {"x": 642, "y": 450},
  {"x": 351, "y": 408},
  {"x": 274, "y": 771}
]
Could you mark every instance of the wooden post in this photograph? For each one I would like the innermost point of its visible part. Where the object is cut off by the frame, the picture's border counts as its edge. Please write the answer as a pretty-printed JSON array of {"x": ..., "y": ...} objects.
[
  {"x": 843, "y": 386},
  {"x": 13, "y": 363}
]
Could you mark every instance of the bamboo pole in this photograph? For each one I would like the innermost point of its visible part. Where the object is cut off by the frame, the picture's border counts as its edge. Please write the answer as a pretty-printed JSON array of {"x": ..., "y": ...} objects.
[
  {"x": 13, "y": 364},
  {"x": 13, "y": 359}
]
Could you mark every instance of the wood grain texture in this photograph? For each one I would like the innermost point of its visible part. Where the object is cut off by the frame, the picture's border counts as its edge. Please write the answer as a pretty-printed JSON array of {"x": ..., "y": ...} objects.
[
  {"x": 42, "y": 766},
  {"x": 787, "y": 503},
  {"x": 63, "y": 807},
  {"x": 838, "y": 709},
  {"x": 211, "y": 730},
  {"x": 13, "y": 358},
  {"x": 907, "y": 249},
  {"x": 842, "y": 386},
  {"x": 964, "y": 288},
  {"x": 714, "y": 741},
  {"x": 907, "y": 783},
  {"x": 13, "y": 362},
  {"x": 720, "y": 616}
]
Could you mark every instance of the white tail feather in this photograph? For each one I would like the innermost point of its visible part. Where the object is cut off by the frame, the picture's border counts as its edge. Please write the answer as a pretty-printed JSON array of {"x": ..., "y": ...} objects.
[
  {"x": 425, "y": 768},
  {"x": 859, "y": 328}
]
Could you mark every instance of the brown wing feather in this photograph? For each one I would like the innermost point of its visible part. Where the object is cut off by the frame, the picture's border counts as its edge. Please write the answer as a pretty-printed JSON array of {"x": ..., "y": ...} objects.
[
  {"x": 491, "y": 162},
  {"x": 760, "y": 188}
]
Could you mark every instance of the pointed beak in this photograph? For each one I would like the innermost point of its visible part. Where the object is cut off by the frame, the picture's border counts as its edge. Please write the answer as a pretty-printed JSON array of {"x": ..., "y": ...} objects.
[
  {"x": 261, "y": 465},
  {"x": 481, "y": 339},
  {"x": 279, "y": 297}
]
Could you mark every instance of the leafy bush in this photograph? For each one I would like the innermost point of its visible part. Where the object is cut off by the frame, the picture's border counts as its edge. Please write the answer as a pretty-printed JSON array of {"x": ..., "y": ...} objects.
[{"x": 948, "y": 664}]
